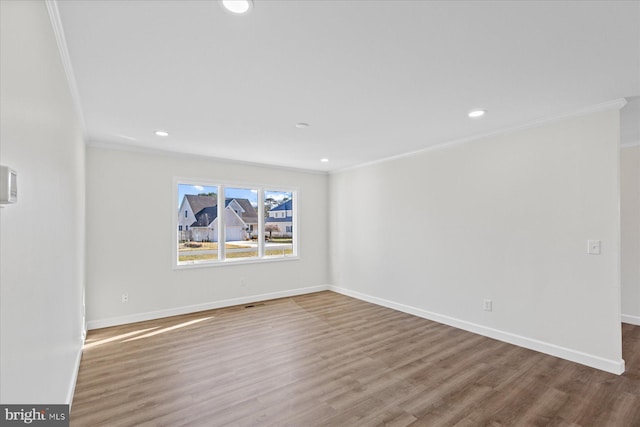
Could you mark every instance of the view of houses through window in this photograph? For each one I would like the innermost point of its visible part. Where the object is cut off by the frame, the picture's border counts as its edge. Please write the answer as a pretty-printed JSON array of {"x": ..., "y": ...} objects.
[
  {"x": 278, "y": 223},
  {"x": 252, "y": 223}
]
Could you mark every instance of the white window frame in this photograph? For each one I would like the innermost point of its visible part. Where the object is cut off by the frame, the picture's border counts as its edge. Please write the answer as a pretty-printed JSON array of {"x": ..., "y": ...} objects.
[{"x": 222, "y": 260}]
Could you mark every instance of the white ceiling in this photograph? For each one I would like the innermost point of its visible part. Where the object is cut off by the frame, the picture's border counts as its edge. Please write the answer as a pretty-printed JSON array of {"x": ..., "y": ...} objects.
[{"x": 373, "y": 78}]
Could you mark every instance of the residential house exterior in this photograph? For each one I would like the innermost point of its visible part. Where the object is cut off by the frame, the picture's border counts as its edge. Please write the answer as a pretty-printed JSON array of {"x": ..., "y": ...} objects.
[
  {"x": 282, "y": 217},
  {"x": 190, "y": 206},
  {"x": 198, "y": 219},
  {"x": 248, "y": 214}
]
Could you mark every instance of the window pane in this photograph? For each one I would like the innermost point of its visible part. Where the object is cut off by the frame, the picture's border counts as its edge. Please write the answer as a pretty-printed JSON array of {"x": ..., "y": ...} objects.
[
  {"x": 197, "y": 224},
  {"x": 278, "y": 223},
  {"x": 241, "y": 222}
]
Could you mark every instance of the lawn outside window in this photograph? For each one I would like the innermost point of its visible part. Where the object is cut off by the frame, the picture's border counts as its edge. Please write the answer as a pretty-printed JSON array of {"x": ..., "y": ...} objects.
[{"x": 256, "y": 223}]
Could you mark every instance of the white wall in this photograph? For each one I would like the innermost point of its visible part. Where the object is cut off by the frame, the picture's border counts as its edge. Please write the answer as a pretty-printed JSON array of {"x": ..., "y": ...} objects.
[
  {"x": 130, "y": 236},
  {"x": 630, "y": 232},
  {"x": 505, "y": 218},
  {"x": 42, "y": 236}
]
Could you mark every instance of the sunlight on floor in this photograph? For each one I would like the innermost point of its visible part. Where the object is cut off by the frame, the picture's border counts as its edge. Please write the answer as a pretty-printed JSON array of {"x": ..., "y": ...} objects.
[
  {"x": 116, "y": 338},
  {"x": 170, "y": 328}
]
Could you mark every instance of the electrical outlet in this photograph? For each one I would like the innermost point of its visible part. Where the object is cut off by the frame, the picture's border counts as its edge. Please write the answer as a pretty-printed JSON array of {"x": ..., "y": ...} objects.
[
  {"x": 125, "y": 298},
  {"x": 593, "y": 247},
  {"x": 487, "y": 305}
]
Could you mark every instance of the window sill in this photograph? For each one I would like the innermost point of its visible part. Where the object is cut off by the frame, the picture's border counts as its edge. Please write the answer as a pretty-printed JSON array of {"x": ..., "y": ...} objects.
[{"x": 227, "y": 262}]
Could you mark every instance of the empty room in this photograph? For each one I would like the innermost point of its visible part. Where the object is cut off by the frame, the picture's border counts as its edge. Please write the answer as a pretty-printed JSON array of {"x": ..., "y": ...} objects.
[{"x": 319, "y": 213}]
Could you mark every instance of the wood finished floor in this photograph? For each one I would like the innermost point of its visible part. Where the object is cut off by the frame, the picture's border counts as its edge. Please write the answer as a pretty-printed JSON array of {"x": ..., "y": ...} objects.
[{"x": 327, "y": 359}]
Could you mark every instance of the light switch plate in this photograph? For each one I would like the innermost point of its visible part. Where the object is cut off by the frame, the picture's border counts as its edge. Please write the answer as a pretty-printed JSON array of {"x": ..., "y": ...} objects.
[{"x": 593, "y": 247}]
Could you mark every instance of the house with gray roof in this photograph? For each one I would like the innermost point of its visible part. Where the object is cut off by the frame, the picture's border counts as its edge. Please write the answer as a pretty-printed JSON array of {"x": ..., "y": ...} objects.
[
  {"x": 281, "y": 218},
  {"x": 198, "y": 219}
]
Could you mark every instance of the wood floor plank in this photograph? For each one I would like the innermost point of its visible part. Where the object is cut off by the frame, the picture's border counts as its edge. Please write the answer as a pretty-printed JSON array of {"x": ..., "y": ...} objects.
[{"x": 325, "y": 359}]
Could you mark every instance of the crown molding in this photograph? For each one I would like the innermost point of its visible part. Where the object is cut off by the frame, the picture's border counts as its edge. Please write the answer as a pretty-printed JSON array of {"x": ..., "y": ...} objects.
[
  {"x": 616, "y": 104},
  {"x": 194, "y": 156},
  {"x": 61, "y": 41}
]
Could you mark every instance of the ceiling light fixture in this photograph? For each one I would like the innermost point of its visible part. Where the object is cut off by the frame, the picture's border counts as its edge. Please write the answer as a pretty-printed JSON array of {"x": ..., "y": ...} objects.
[
  {"x": 476, "y": 113},
  {"x": 302, "y": 125},
  {"x": 325, "y": 160},
  {"x": 161, "y": 133},
  {"x": 237, "y": 7}
]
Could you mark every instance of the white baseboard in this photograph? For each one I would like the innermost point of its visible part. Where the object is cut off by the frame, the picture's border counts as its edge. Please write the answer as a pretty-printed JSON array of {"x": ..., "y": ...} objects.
[
  {"x": 74, "y": 378},
  {"x": 613, "y": 366},
  {"x": 632, "y": 320},
  {"x": 150, "y": 315}
]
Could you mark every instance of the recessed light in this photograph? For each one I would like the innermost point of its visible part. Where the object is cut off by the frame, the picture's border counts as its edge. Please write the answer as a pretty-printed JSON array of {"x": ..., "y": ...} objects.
[
  {"x": 237, "y": 7},
  {"x": 161, "y": 133},
  {"x": 325, "y": 160},
  {"x": 476, "y": 113},
  {"x": 302, "y": 125}
]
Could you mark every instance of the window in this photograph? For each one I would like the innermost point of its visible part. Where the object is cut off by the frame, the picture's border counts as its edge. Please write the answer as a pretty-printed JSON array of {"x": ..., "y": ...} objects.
[
  {"x": 254, "y": 224},
  {"x": 241, "y": 214},
  {"x": 279, "y": 218},
  {"x": 197, "y": 235}
]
